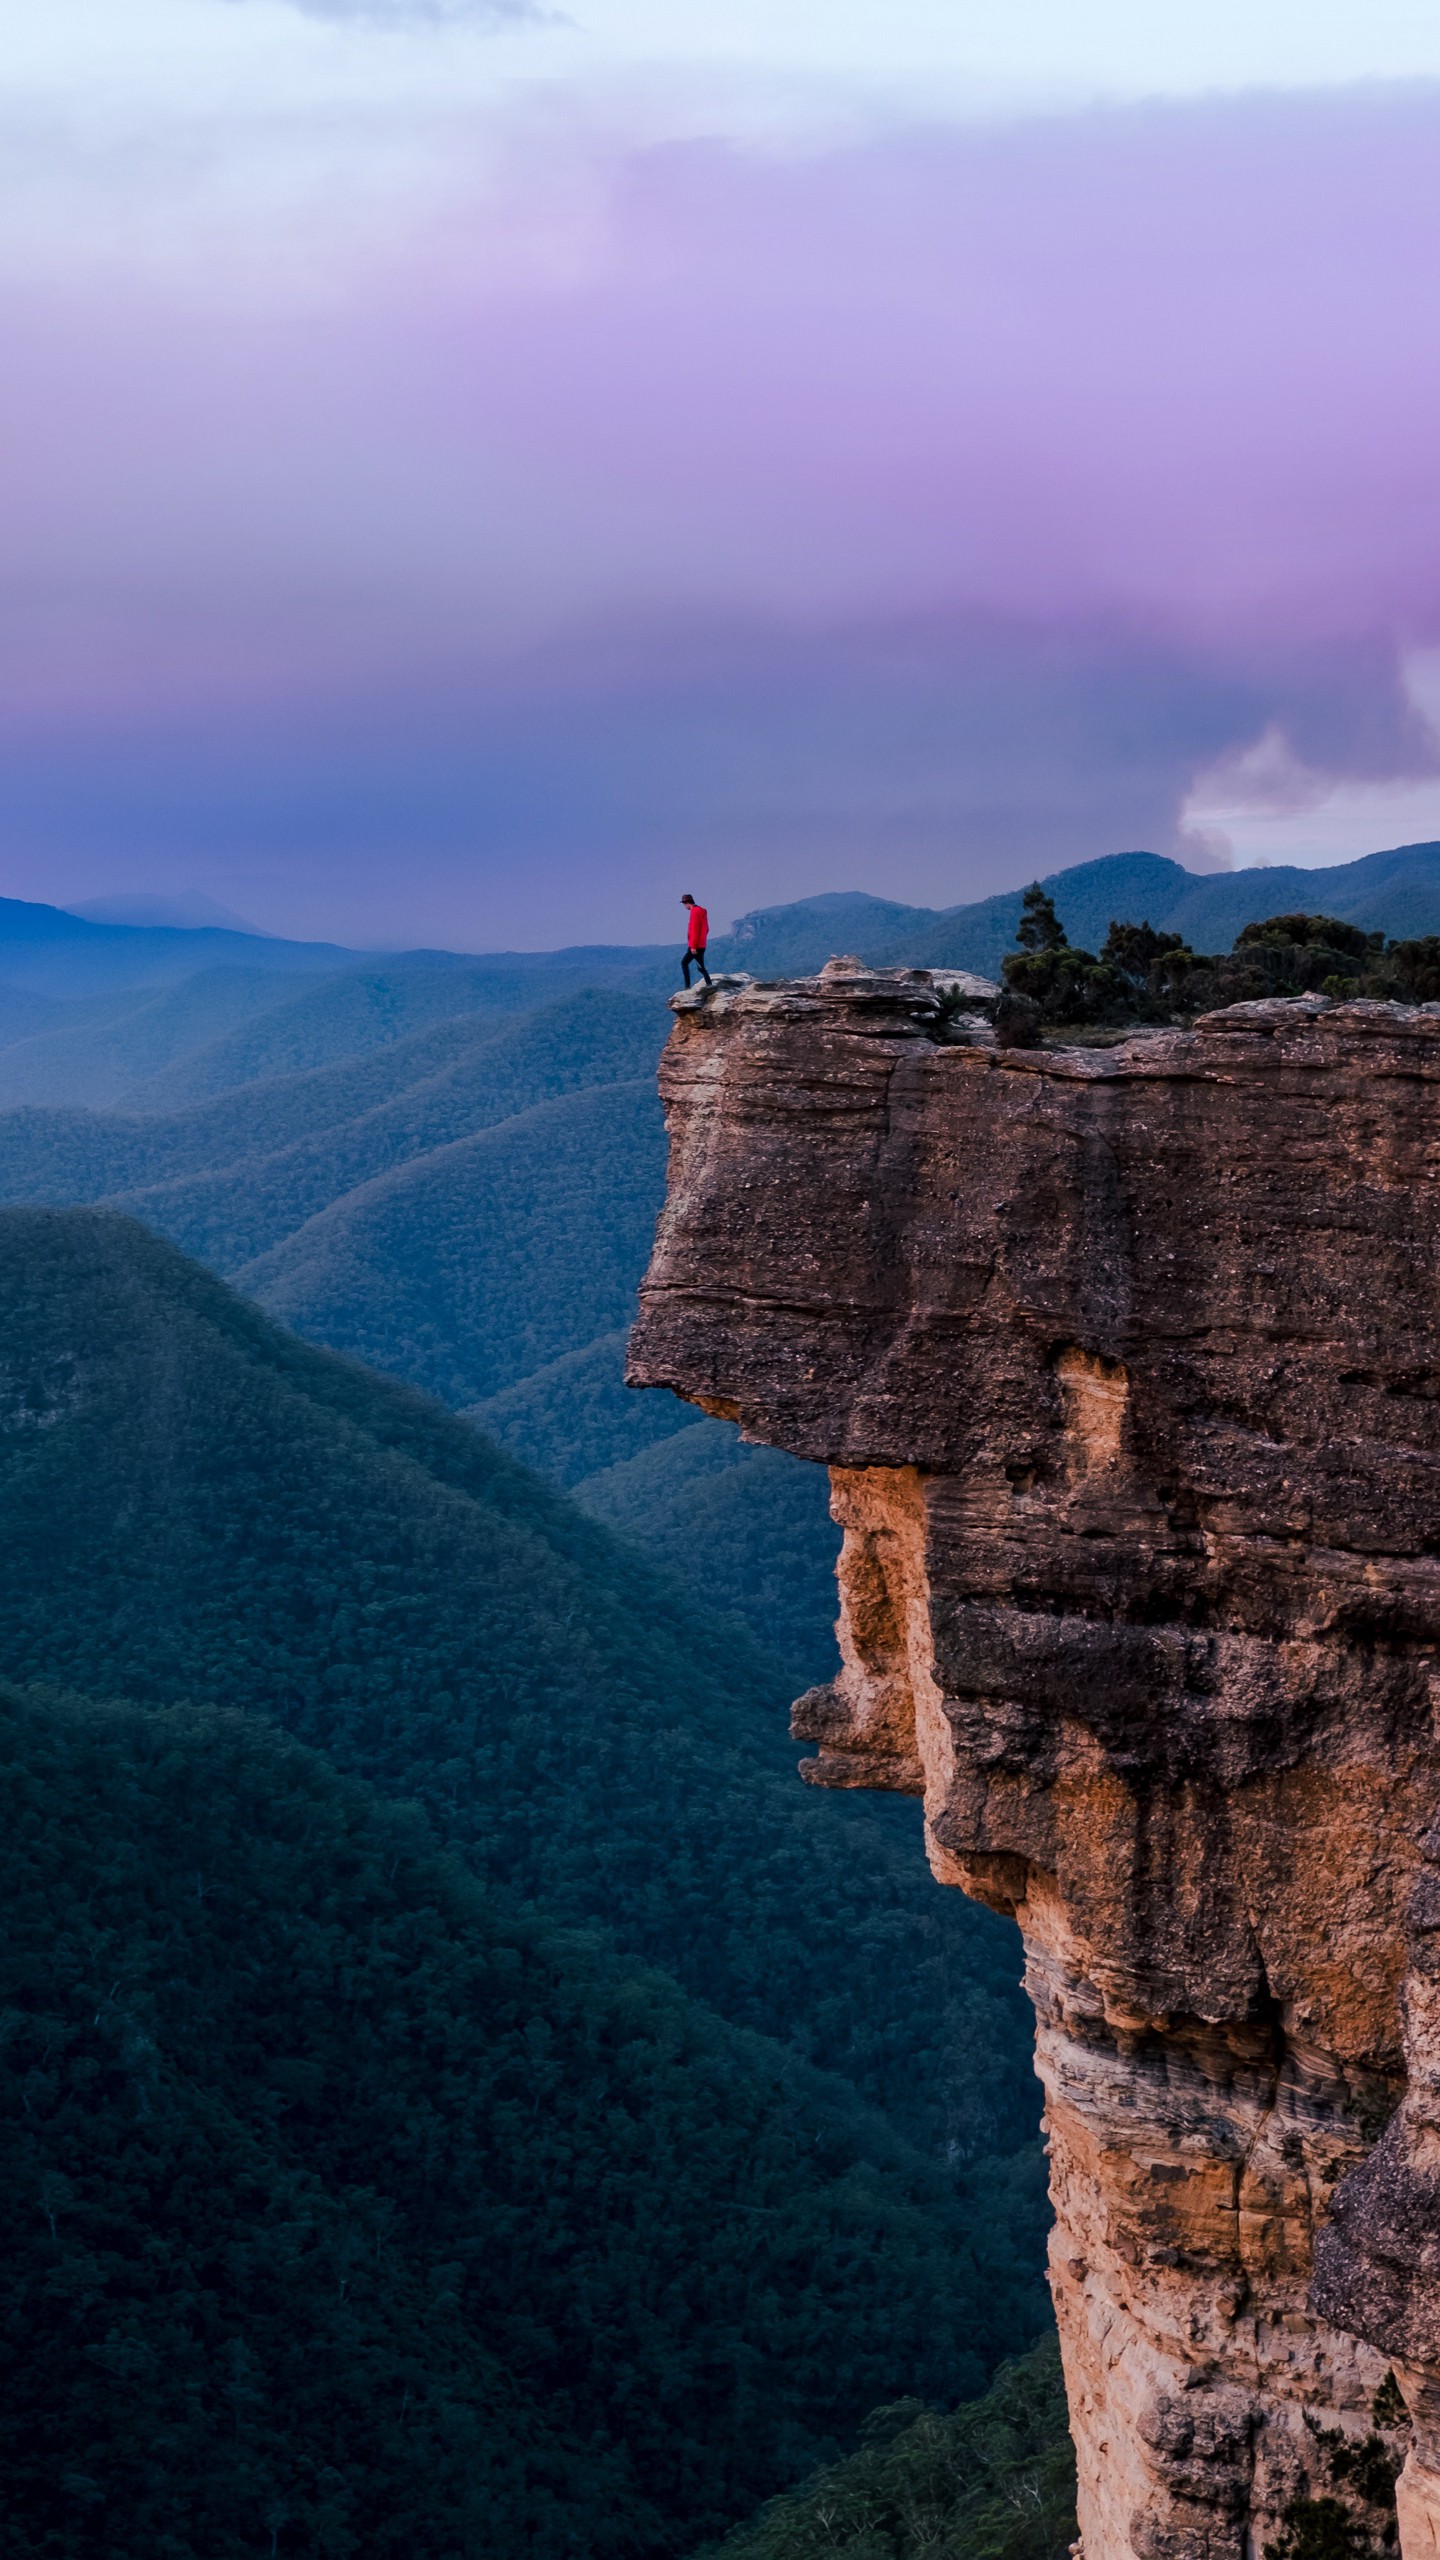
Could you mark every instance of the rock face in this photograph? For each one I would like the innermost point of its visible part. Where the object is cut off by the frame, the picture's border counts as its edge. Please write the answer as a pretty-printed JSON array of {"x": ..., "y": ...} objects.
[{"x": 1126, "y": 1365}]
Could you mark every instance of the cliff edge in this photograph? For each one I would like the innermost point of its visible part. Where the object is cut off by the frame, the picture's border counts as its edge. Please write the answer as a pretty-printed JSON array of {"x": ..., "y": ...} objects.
[{"x": 1126, "y": 1366}]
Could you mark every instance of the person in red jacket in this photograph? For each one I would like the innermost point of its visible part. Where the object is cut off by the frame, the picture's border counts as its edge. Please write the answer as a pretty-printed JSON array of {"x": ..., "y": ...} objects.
[{"x": 695, "y": 941}]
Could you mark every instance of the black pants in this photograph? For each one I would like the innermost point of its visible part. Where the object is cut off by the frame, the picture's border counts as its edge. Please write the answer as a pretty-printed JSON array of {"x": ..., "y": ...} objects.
[{"x": 699, "y": 959}]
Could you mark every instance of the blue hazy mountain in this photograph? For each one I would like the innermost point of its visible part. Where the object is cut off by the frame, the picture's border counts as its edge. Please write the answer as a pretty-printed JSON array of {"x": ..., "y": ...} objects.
[
  {"x": 203, "y": 1026},
  {"x": 107, "y": 1041},
  {"x": 51, "y": 949},
  {"x": 145, "y": 907},
  {"x": 1396, "y": 893}
]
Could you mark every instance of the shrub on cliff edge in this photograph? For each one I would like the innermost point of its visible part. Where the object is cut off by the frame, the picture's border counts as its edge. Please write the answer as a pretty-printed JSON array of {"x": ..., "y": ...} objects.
[{"x": 1142, "y": 975}]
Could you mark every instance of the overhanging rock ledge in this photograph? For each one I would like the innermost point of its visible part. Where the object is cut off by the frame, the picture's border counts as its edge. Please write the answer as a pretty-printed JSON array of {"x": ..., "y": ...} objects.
[{"x": 1126, "y": 1366}]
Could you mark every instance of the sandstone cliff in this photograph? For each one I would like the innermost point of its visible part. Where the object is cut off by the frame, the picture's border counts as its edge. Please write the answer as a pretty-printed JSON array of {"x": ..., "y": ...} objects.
[{"x": 1126, "y": 1365}]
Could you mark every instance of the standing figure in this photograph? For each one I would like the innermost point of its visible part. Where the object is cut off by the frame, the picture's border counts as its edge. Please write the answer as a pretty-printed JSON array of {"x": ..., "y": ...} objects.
[{"x": 695, "y": 941}]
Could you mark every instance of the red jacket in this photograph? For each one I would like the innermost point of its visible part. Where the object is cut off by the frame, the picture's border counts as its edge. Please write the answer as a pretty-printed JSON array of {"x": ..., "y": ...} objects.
[{"x": 699, "y": 929}]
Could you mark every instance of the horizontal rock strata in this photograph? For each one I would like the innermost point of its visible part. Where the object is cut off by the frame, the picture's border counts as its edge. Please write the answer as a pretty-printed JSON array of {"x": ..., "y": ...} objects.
[{"x": 1126, "y": 1366}]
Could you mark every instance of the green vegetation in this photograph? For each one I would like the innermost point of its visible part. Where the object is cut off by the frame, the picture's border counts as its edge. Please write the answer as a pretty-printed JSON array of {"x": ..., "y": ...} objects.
[
  {"x": 212, "y": 1029},
  {"x": 195, "y": 1504},
  {"x": 576, "y": 1417},
  {"x": 1063, "y": 985},
  {"x": 62, "y": 1157},
  {"x": 1388, "y": 2409},
  {"x": 460, "y": 1210},
  {"x": 1145, "y": 976},
  {"x": 562, "y": 1199},
  {"x": 1411, "y": 970},
  {"x": 345, "y": 1016},
  {"x": 348, "y": 2211},
  {"x": 101, "y": 1047},
  {"x": 230, "y": 1212},
  {"x": 469, "y": 1206},
  {"x": 995, "y": 2480},
  {"x": 1396, "y": 892},
  {"x": 747, "y": 1529},
  {"x": 1323, "y": 2529}
]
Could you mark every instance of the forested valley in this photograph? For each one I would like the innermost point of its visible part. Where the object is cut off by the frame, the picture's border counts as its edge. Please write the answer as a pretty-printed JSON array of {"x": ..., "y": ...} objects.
[{"x": 465, "y": 2096}]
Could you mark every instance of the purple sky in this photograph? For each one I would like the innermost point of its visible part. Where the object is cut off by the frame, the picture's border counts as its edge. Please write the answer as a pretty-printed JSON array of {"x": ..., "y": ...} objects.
[{"x": 908, "y": 508}]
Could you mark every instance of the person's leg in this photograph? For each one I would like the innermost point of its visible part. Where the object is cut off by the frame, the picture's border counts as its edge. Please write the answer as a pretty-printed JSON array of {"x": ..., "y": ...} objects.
[
  {"x": 685, "y": 959},
  {"x": 704, "y": 972}
]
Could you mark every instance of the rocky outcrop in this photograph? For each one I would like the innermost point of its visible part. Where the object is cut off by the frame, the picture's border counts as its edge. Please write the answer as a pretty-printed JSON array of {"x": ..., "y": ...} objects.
[{"x": 1126, "y": 1365}]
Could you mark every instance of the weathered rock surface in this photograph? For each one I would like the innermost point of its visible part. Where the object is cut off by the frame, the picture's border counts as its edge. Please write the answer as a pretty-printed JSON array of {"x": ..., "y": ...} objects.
[{"x": 1126, "y": 1365}]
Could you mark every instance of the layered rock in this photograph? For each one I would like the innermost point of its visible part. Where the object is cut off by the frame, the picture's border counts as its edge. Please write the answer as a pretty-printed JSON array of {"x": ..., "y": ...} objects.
[{"x": 1126, "y": 1366}]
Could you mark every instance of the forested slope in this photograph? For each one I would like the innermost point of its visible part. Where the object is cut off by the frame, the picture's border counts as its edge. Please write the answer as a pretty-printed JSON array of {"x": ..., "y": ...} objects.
[
  {"x": 726, "y": 1518},
  {"x": 195, "y": 1504},
  {"x": 561, "y": 1202},
  {"x": 91, "y": 1154},
  {"x": 348, "y": 2210},
  {"x": 992, "y": 2480},
  {"x": 488, "y": 1070},
  {"x": 468, "y": 1205},
  {"x": 575, "y": 1416},
  {"x": 345, "y": 1199},
  {"x": 351, "y": 1014},
  {"x": 234, "y": 1009},
  {"x": 635, "y": 2261},
  {"x": 97, "y": 1051}
]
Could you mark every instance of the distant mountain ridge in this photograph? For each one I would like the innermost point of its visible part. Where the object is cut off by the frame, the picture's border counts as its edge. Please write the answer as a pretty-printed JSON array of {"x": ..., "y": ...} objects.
[
  {"x": 1396, "y": 892},
  {"x": 83, "y": 1017},
  {"x": 49, "y": 946},
  {"x": 161, "y": 1046}
]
